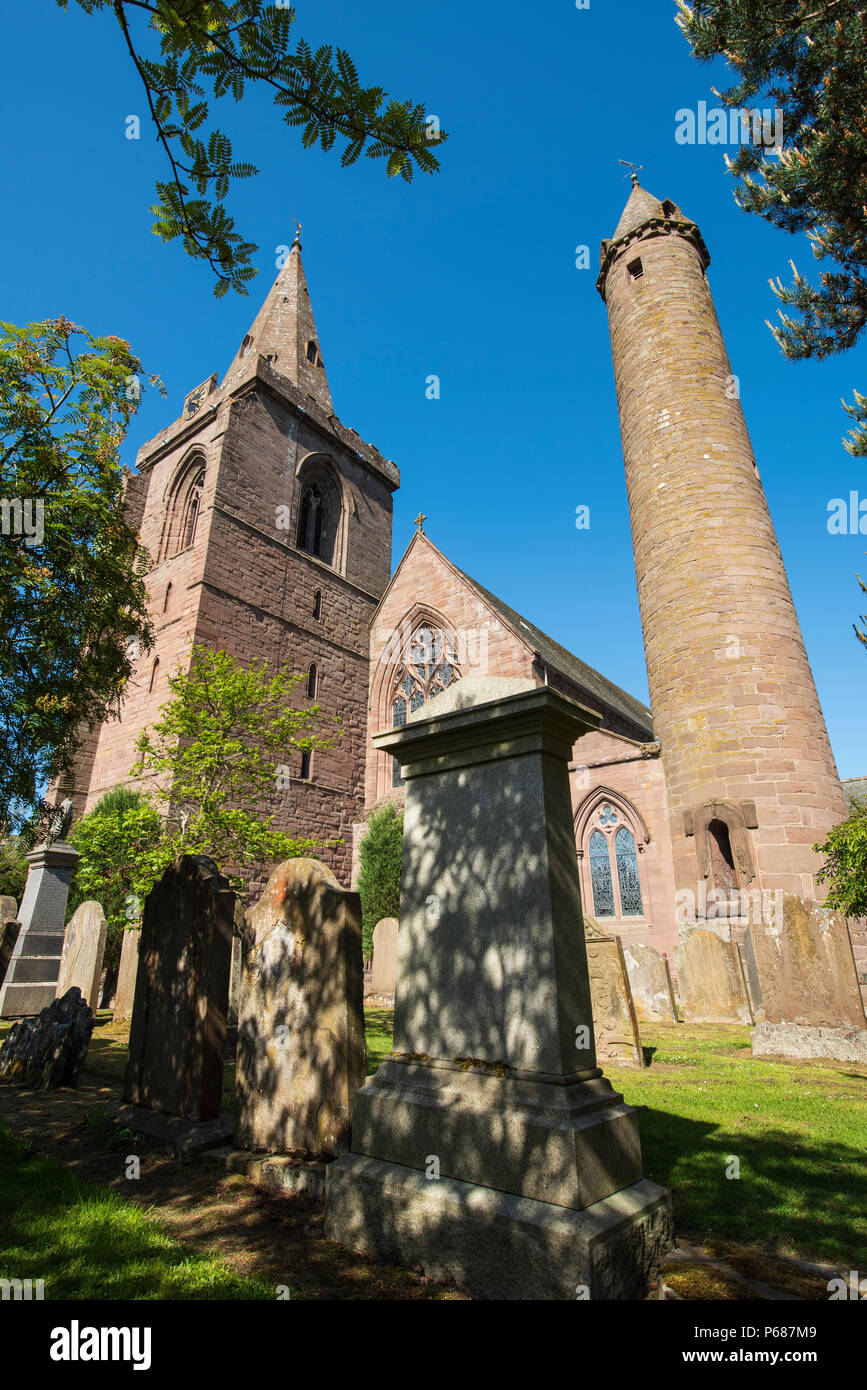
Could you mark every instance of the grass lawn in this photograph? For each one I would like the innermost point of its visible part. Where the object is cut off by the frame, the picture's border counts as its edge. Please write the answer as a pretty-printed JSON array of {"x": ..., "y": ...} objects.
[
  {"x": 795, "y": 1133},
  {"x": 796, "y": 1129},
  {"x": 87, "y": 1242}
]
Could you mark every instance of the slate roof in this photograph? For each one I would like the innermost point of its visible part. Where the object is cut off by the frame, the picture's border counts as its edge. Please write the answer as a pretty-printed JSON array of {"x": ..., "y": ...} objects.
[
  {"x": 569, "y": 665},
  {"x": 854, "y": 786}
]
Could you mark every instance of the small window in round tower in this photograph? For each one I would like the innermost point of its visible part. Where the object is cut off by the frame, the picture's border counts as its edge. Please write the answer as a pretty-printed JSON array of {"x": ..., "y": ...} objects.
[{"x": 635, "y": 270}]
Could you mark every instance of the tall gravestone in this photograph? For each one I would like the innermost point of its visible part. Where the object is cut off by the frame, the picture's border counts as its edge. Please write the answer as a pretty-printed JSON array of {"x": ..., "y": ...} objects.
[
  {"x": 710, "y": 980},
  {"x": 83, "y": 949},
  {"x": 9, "y": 929},
  {"x": 489, "y": 1147},
  {"x": 384, "y": 972},
  {"x": 650, "y": 980},
  {"x": 178, "y": 1027},
  {"x": 301, "y": 1049},
  {"x": 615, "y": 1025},
  {"x": 124, "y": 993},
  {"x": 808, "y": 986},
  {"x": 30, "y": 981}
]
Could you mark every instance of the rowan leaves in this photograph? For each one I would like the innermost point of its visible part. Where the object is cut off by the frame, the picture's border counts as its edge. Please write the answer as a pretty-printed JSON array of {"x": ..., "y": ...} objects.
[{"x": 215, "y": 49}]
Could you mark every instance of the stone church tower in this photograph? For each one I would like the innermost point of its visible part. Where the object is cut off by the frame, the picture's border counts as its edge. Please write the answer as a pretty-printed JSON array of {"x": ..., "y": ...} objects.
[
  {"x": 268, "y": 524},
  {"x": 750, "y": 777}
]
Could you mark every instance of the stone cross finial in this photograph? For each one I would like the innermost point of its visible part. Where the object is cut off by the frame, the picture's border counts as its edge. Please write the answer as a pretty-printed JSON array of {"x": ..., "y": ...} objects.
[{"x": 420, "y": 520}]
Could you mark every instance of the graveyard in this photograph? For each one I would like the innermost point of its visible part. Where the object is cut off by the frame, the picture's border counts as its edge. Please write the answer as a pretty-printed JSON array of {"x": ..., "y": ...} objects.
[
  {"x": 260, "y": 1110},
  {"x": 454, "y": 908},
  {"x": 797, "y": 1128}
]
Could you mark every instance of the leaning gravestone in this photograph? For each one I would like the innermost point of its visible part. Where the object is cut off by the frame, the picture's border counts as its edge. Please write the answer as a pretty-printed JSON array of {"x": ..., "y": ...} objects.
[
  {"x": 810, "y": 1000},
  {"x": 49, "y": 1050},
  {"x": 178, "y": 1027},
  {"x": 489, "y": 1147},
  {"x": 384, "y": 972},
  {"x": 615, "y": 1025},
  {"x": 301, "y": 1049},
  {"x": 650, "y": 981},
  {"x": 83, "y": 949},
  {"x": 710, "y": 980},
  {"x": 124, "y": 993},
  {"x": 30, "y": 982}
]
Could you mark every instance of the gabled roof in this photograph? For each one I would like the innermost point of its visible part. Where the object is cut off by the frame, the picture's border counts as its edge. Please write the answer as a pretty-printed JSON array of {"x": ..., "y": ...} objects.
[
  {"x": 569, "y": 665},
  {"x": 554, "y": 656},
  {"x": 854, "y": 786}
]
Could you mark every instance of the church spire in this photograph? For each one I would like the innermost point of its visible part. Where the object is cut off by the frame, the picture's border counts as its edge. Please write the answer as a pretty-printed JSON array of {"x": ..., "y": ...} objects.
[{"x": 284, "y": 331}]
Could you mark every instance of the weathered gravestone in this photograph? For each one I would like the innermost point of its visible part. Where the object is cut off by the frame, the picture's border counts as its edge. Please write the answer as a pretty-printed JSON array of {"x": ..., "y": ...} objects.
[
  {"x": 8, "y": 910},
  {"x": 124, "y": 993},
  {"x": 178, "y": 1027},
  {"x": 710, "y": 980},
  {"x": 810, "y": 999},
  {"x": 49, "y": 1050},
  {"x": 384, "y": 972},
  {"x": 615, "y": 1025},
  {"x": 301, "y": 1049},
  {"x": 83, "y": 948},
  {"x": 650, "y": 981},
  {"x": 489, "y": 1147},
  {"x": 30, "y": 981}
]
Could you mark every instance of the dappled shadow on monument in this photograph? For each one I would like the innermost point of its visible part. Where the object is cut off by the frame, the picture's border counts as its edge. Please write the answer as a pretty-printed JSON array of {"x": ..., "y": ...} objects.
[
  {"x": 301, "y": 1051},
  {"x": 178, "y": 1028}
]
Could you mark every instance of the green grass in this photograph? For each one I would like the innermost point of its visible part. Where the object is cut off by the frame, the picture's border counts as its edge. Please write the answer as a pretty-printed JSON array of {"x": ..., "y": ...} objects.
[
  {"x": 378, "y": 1025},
  {"x": 797, "y": 1130},
  {"x": 87, "y": 1242}
]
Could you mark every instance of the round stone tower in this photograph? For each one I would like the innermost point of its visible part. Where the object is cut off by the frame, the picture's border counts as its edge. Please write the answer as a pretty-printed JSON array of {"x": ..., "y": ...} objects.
[{"x": 750, "y": 776}]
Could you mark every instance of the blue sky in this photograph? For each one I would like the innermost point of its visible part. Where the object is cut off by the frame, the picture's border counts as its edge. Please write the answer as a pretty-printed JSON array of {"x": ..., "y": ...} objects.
[{"x": 469, "y": 275}]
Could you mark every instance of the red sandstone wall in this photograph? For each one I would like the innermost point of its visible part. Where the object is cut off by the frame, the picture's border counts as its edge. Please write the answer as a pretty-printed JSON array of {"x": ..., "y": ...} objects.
[{"x": 710, "y": 574}]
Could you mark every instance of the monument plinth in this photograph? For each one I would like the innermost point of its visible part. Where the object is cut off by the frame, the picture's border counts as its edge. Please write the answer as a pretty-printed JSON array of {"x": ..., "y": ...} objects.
[
  {"x": 489, "y": 1147},
  {"x": 31, "y": 977}
]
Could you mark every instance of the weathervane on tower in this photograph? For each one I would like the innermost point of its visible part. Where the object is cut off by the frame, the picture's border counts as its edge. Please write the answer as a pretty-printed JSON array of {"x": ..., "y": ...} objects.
[
  {"x": 297, "y": 241},
  {"x": 632, "y": 167}
]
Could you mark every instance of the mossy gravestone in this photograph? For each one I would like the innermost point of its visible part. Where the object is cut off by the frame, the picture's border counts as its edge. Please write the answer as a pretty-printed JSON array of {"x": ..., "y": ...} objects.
[
  {"x": 301, "y": 1049},
  {"x": 178, "y": 1027},
  {"x": 810, "y": 1000},
  {"x": 710, "y": 980}
]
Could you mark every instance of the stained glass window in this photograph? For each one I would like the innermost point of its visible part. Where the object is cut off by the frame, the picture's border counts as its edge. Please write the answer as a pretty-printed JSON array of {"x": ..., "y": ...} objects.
[
  {"x": 627, "y": 873},
  {"x": 431, "y": 668},
  {"x": 600, "y": 876}
]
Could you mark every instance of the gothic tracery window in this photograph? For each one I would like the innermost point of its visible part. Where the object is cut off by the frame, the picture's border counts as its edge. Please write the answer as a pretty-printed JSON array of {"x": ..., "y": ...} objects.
[
  {"x": 615, "y": 880},
  {"x": 430, "y": 669},
  {"x": 184, "y": 507}
]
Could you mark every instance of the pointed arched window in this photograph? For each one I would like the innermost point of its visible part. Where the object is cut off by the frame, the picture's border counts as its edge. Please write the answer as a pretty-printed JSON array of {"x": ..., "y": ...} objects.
[
  {"x": 312, "y": 521},
  {"x": 184, "y": 507},
  {"x": 615, "y": 873},
  {"x": 430, "y": 669},
  {"x": 312, "y": 677}
]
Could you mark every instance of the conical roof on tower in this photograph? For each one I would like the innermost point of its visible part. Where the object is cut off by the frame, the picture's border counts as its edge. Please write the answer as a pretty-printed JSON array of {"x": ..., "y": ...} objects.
[
  {"x": 284, "y": 332},
  {"x": 641, "y": 206}
]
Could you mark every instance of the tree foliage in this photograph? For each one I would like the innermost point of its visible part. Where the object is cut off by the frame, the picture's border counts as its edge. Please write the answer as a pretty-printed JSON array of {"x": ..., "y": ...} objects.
[
  {"x": 13, "y": 868},
  {"x": 207, "y": 49},
  {"x": 71, "y": 597},
  {"x": 810, "y": 58},
  {"x": 845, "y": 867},
  {"x": 381, "y": 854},
  {"x": 123, "y": 853},
  {"x": 217, "y": 758}
]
